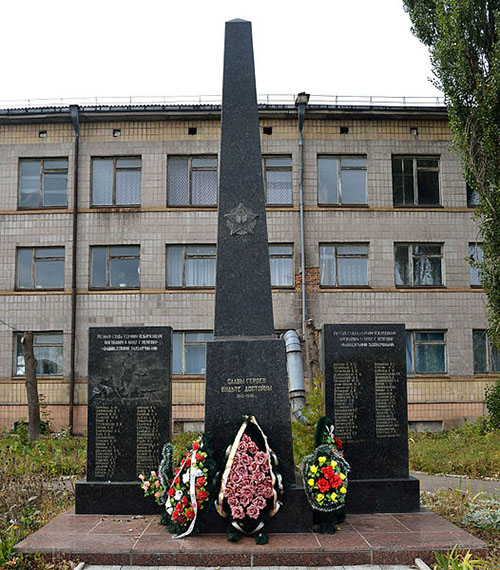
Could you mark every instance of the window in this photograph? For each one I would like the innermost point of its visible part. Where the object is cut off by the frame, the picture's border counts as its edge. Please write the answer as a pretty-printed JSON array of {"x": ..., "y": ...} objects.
[
  {"x": 278, "y": 179},
  {"x": 116, "y": 181},
  {"x": 189, "y": 352},
  {"x": 475, "y": 256},
  {"x": 281, "y": 262},
  {"x": 115, "y": 267},
  {"x": 418, "y": 265},
  {"x": 415, "y": 181},
  {"x": 472, "y": 197},
  {"x": 341, "y": 180},
  {"x": 43, "y": 183},
  {"x": 191, "y": 265},
  {"x": 425, "y": 352},
  {"x": 486, "y": 356},
  {"x": 192, "y": 181},
  {"x": 48, "y": 350},
  {"x": 40, "y": 268},
  {"x": 343, "y": 264}
]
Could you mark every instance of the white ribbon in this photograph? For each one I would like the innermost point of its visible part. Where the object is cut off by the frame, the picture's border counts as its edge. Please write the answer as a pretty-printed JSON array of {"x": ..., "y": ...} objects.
[{"x": 192, "y": 494}]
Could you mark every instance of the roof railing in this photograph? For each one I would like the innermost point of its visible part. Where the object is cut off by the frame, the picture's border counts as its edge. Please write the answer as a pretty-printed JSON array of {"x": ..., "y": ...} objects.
[{"x": 196, "y": 100}]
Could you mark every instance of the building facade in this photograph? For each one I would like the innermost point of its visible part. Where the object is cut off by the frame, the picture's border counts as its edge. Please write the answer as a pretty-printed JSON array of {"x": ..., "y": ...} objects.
[{"x": 118, "y": 226}]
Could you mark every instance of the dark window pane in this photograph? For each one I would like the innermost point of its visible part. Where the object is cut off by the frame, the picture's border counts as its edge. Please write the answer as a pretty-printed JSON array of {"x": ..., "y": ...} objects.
[
  {"x": 99, "y": 267},
  {"x": 428, "y": 187},
  {"x": 409, "y": 353},
  {"x": 353, "y": 186},
  {"x": 408, "y": 187},
  {"x": 30, "y": 183},
  {"x": 397, "y": 182},
  {"x": 479, "y": 347},
  {"x": 178, "y": 181},
  {"x": 424, "y": 249},
  {"x": 495, "y": 360},
  {"x": 102, "y": 182},
  {"x": 430, "y": 358},
  {"x": 327, "y": 180},
  {"x": 402, "y": 265},
  {"x": 427, "y": 163},
  {"x": 128, "y": 187},
  {"x": 427, "y": 271},
  {"x": 54, "y": 188},
  {"x": 123, "y": 273},
  {"x": 472, "y": 197},
  {"x": 429, "y": 336},
  {"x": 24, "y": 268},
  {"x": 49, "y": 274}
]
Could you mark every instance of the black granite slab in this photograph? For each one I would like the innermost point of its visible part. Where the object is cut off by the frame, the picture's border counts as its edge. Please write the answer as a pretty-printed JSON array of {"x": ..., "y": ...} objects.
[
  {"x": 243, "y": 303},
  {"x": 366, "y": 397},
  {"x": 129, "y": 409}
]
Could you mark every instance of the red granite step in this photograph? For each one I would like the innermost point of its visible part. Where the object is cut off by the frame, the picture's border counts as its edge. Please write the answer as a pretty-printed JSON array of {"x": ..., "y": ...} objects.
[{"x": 363, "y": 539}]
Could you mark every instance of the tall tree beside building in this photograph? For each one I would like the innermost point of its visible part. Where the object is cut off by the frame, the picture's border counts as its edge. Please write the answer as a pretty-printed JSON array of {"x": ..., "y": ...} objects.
[
  {"x": 31, "y": 386},
  {"x": 462, "y": 37}
]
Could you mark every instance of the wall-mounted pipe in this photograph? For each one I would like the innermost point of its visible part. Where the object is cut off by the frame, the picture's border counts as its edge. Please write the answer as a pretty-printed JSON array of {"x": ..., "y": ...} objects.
[
  {"x": 297, "y": 392},
  {"x": 75, "y": 119}
]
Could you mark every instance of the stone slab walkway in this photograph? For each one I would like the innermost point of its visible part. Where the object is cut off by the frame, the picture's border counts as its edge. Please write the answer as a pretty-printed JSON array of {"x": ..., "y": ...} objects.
[{"x": 376, "y": 539}]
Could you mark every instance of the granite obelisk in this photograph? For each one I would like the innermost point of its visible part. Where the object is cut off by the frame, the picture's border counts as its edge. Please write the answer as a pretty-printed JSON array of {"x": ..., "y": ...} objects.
[{"x": 246, "y": 364}]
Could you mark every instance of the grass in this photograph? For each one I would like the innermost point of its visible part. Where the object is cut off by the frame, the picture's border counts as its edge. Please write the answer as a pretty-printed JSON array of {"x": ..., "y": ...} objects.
[{"x": 472, "y": 450}]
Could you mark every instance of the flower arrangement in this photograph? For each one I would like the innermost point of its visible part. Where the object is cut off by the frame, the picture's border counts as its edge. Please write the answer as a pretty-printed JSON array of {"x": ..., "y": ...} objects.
[
  {"x": 250, "y": 487},
  {"x": 153, "y": 487}
]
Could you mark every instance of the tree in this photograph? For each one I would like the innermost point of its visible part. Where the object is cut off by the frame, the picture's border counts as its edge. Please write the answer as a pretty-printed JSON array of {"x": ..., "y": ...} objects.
[
  {"x": 31, "y": 387},
  {"x": 462, "y": 37}
]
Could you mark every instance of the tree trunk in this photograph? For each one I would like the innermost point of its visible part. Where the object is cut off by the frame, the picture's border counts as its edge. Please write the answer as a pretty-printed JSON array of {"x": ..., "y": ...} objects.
[
  {"x": 311, "y": 349},
  {"x": 31, "y": 387}
]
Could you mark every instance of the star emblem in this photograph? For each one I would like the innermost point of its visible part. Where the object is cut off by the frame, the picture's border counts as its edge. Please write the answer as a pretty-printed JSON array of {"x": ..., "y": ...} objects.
[{"x": 241, "y": 221}]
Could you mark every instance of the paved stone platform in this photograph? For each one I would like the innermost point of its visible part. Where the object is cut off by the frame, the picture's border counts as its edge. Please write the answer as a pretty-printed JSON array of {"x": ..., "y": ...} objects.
[{"x": 363, "y": 539}]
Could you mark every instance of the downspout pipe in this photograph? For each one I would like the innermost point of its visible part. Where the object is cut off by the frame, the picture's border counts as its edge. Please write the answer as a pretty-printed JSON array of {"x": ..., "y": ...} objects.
[
  {"x": 297, "y": 392},
  {"x": 75, "y": 119},
  {"x": 301, "y": 102}
]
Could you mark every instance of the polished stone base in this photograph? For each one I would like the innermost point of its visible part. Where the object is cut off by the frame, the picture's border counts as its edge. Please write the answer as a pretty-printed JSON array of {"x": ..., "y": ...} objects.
[
  {"x": 383, "y": 495},
  {"x": 113, "y": 498}
]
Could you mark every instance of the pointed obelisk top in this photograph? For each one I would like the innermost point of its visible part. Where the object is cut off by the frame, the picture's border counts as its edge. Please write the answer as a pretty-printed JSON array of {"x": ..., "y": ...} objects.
[{"x": 243, "y": 304}]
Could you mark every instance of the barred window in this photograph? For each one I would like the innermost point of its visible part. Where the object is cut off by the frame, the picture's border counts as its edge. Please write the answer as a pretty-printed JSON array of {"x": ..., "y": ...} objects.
[
  {"x": 48, "y": 351},
  {"x": 189, "y": 352},
  {"x": 418, "y": 265},
  {"x": 43, "y": 183},
  {"x": 40, "y": 268},
  {"x": 415, "y": 180},
  {"x": 116, "y": 181},
  {"x": 115, "y": 267},
  {"x": 425, "y": 352},
  {"x": 192, "y": 181},
  {"x": 341, "y": 180},
  {"x": 343, "y": 264},
  {"x": 191, "y": 265},
  {"x": 278, "y": 179}
]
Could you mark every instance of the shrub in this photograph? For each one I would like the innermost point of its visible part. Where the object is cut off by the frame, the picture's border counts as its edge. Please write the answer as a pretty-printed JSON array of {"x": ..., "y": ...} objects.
[{"x": 492, "y": 397}]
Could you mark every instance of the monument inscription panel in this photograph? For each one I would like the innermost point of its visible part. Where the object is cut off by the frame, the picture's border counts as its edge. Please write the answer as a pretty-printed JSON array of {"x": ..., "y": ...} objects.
[
  {"x": 365, "y": 395},
  {"x": 129, "y": 398}
]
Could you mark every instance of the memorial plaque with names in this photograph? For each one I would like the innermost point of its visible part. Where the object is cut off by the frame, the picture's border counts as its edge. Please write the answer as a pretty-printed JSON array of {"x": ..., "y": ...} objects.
[
  {"x": 365, "y": 396},
  {"x": 129, "y": 398}
]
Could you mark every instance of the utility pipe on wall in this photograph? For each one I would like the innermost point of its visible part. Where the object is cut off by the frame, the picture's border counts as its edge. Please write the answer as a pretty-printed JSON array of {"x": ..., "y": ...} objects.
[
  {"x": 75, "y": 119},
  {"x": 301, "y": 102},
  {"x": 295, "y": 370}
]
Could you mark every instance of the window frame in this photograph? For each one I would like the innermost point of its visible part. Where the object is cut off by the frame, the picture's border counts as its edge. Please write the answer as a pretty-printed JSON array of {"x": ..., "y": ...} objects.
[
  {"x": 281, "y": 168},
  {"x": 184, "y": 246},
  {"x": 113, "y": 191},
  {"x": 444, "y": 343},
  {"x": 189, "y": 158},
  {"x": 410, "y": 246},
  {"x": 489, "y": 351},
  {"x": 41, "y": 187},
  {"x": 473, "y": 271},
  {"x": 340, "y": 169},
  {"x": 18, "y": 335},
  {"x": 335, "y": 245},
  {"x": 34, "y": 249},
  {"x": 108, "y": 258},
  {"x": 185, "y": 343},
  {"x": 415, "y": 158},
  {"x": 290, "y": 257}
]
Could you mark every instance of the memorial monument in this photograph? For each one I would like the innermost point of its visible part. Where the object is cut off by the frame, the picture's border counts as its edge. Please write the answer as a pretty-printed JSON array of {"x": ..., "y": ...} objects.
[
  {"x": 246, "y": 364},
  {"x": 129, "y": 416},
  {"x": 365, "y": 396}
]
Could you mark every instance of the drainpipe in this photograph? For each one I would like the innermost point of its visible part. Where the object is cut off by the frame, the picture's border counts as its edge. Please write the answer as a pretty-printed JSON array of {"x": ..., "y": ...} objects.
[
  {"x": 75, "y": 119},
  {"x": 301, "y": 102},
  {"x": 295, "y": 370}
]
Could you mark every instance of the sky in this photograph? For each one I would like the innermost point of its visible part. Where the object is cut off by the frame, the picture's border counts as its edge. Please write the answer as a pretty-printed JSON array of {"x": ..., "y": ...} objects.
[{"x": 108, "y": 48}]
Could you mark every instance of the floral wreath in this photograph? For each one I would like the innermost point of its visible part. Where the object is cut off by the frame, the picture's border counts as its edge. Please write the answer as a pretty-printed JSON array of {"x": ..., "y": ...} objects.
[
  {"x": 325, "y": 478},
  {"x": 250, "y": 487}
]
